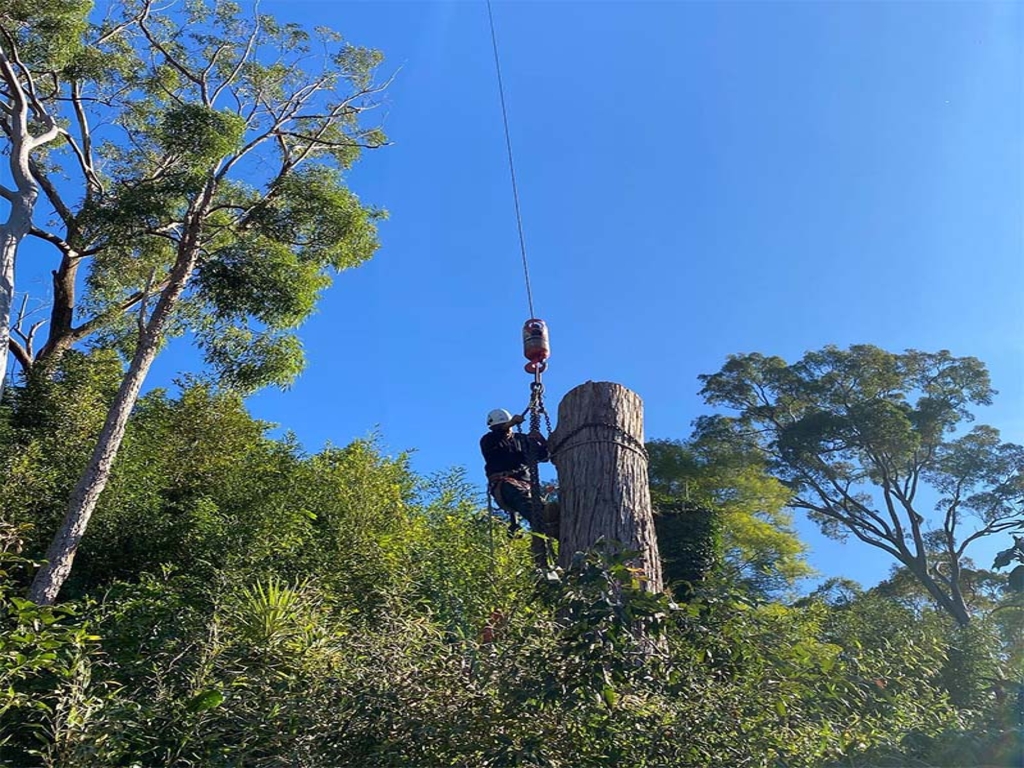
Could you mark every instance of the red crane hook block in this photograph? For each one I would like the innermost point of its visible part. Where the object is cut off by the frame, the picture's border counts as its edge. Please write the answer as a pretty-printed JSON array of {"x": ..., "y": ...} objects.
[{"x": 536, "y": 346}]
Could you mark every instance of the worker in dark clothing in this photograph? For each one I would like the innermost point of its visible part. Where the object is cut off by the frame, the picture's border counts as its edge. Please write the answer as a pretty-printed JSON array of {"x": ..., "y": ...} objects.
[{"x": 507, "y": 459}]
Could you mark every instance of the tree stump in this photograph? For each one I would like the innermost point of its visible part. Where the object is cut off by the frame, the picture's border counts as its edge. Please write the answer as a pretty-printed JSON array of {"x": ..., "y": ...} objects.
[{"x": 598, "y": 450}]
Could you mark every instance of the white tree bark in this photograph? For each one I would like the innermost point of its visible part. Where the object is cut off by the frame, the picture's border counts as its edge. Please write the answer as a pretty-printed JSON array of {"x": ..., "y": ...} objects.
[
  {"x": 61, "y": 554},
  {"x": 11, "y": 235},
  {"x": 603, "y": 491},
  {"x": 20, "y": 102}
]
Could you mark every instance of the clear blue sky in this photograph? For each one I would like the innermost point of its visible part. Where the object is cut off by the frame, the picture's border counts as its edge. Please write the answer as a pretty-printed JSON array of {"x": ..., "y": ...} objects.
[{"x": 697, "y": 179}]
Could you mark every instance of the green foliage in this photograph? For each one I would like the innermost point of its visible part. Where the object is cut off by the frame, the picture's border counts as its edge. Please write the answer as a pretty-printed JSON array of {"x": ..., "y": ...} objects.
[
  {"x": 971, "y": 665},
  {"x": 857, "y": 433},
  {"x": 199, "y": 135},
  {"x": 47, "y": 32},
  {"x": 52, "y": 425},
  {"x": 749, "y": 520},
  {"x": 46, "y": 654},
  {"x": 247, "y": 360},
  {"x": 335, "y": 610},
  {"x": 273, "y": 285},
  {"x": 690, "y": 544},
  {"x": 314, "y": 212},
  {"x": 258, "y": 605}
]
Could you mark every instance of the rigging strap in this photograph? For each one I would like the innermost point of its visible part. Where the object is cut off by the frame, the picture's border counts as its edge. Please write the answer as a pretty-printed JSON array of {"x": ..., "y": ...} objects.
[{"x": 618, "y": 435}]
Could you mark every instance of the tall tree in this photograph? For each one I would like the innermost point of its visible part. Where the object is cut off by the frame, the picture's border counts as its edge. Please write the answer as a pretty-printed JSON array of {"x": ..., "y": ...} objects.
[
  {"x": 211, "y": 149},
  {"x": 36, "y": 39},
  {"x": 859, "y": 434}
]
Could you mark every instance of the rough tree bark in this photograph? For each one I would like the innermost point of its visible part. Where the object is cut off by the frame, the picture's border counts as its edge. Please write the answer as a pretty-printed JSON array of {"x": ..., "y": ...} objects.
[{"x": 598, "y": 450}]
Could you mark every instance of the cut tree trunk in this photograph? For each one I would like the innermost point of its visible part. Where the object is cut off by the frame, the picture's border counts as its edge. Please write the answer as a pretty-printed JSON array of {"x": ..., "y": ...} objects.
[{"x": 598, "y": 450}]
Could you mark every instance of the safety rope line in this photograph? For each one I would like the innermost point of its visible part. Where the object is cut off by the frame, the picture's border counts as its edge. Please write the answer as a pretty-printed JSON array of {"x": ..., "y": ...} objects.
[{"x": 511, "y": 162}]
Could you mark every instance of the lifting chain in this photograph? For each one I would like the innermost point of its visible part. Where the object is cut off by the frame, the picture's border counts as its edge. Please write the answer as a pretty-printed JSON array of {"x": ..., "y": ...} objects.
[
  {"x": 537, "y": 411},
  {"x": 620, "y": 437}
]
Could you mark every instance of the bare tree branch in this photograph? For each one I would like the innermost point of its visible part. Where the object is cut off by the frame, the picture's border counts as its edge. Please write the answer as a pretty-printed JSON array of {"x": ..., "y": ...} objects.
[
  {"x": 104, "y": 318},
  {"x": 54, "y": 240},
  {"x": 85, "y": 154},
  {"x": 246, "y": 54},
  {"x": 52, "y": 194},
  {"x": 20, "y": 354},
  {"x": 28, "y": 337}
]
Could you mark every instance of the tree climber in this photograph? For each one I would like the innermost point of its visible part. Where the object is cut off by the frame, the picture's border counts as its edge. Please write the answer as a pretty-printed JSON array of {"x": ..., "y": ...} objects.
[{"x": 508, "y": 459}]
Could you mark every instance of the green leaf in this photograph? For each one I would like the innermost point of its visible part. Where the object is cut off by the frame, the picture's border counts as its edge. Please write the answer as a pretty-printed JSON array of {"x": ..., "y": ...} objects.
[
  {"x": 205, "y": 700},
  {"x": 610, "y": 696}
]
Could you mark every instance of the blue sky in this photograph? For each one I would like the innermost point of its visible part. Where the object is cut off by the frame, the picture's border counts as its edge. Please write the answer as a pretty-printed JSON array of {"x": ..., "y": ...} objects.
[{"x": 697, "y": 180}]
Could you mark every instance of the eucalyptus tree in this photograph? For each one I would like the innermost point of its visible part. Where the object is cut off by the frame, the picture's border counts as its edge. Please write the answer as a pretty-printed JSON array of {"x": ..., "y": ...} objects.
[
  {"x": 200, "y": 183},
  {"x": 36, "y": 39},
  {"x": 871, "y": 444}
]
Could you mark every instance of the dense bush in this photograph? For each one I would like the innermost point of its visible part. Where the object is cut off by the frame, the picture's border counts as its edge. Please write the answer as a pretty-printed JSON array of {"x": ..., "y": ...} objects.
[{"x": 239, "y": 602}]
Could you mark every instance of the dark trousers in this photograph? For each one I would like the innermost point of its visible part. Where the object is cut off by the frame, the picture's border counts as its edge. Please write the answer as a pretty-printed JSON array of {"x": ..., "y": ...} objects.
[{"x": 514, "y": 497}]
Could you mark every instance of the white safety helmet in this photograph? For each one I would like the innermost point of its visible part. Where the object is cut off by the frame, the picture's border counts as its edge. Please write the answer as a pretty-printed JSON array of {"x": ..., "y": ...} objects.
[{"x": 498, "y": 416}]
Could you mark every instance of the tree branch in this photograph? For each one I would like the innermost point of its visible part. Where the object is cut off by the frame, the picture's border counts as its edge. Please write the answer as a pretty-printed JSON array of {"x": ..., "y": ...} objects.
[
  {"x": 54, "y": 240},
  {"x": 94, "y": 323},
  {"x": 172, "y": 61},
  {"x": 20, "y": 354},
  {"x": 85, "y": 155},
  {"x": 331, "y": 144},
  {"x": 988, "y": 530},
  {"x": 915, "y": 519},
  {"x": 826, "y": 511},
  {"x": 249, "y": 45},
  {"x": 50, "y": 190}
]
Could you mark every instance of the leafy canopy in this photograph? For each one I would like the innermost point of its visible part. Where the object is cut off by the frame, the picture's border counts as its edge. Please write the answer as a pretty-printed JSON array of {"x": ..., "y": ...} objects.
[
  {"x": 858, "y": 435},
  {"x": 759, "y": 546}
]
